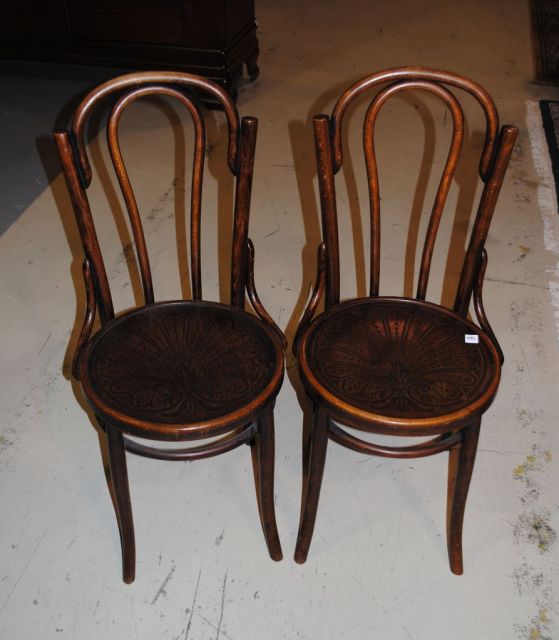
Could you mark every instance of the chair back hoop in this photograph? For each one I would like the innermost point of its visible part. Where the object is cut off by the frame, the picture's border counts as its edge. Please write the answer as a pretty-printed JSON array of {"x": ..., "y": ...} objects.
[
  {"x": 132, "y": 80},
  {"x": 494, "y": 158},
  {"x": 77, "y": 171}
]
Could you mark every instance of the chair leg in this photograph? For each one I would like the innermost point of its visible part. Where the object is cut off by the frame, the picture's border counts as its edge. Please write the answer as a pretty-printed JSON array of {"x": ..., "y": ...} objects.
[
  {"x": 461, "y": 464},
  {"x": 251, "y": 62},
  {"x": 121, "y": 496},
  {"x": 263, "y": 453},
  {"x": 313, "y": 472}
]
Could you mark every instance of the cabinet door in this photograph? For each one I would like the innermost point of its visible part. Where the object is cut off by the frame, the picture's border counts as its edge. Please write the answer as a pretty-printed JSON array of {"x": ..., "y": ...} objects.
[
  {"x": 33, "y": 19},
  {"x": 138, "y": 21},
  {"x": 213, "y": 24}
]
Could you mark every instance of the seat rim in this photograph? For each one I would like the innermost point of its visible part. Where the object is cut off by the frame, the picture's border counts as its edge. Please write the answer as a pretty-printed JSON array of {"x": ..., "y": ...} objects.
[
  {"x": 182, "y": 431},
  {"x": 363, "y": 420}
]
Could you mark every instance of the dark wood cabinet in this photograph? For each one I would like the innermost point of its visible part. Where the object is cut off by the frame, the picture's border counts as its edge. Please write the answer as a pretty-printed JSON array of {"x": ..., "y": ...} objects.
[{"x": 213, "y": 38}]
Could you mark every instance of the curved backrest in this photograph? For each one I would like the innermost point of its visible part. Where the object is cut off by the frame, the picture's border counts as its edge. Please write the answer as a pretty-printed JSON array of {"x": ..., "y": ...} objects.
[
  {"x": 77, "y": 171},
  {"x": 493, "y": 162}
]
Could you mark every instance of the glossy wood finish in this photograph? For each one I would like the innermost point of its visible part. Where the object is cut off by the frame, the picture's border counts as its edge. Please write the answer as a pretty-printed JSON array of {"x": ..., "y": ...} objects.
[
  {"x": 401, "y": 366},
  {"x": 314, "y": 461},
  {"x": 118, "y": 478},
  {"x": 460, "y": 467},
  {"x": 180, "y": 370},
  {"x": 174, "y": 370},
  {"x": 263, "y": 453}
]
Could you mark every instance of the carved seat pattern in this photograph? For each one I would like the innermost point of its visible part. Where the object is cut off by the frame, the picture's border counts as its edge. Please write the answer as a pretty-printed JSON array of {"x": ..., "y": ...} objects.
[
  {"x": 179, "y": 362},
  {"x": 402, "y": 360}
]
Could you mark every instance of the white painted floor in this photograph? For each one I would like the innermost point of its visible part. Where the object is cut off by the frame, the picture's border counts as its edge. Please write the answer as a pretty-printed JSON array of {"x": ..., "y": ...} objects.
[{"x": 377, "y": 566}]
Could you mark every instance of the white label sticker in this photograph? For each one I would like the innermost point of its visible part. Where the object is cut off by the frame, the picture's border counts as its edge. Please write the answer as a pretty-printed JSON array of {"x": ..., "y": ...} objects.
[{"x": 471, "y": 338}]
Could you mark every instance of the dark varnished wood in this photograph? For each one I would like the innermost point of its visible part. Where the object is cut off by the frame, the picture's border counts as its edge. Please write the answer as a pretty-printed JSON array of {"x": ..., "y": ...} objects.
[
  {"x": 421, "y": 74},
  {"x": 327, "y": 191},
  {"x": 444, "y": 186},
  {"x": 154, "y": 79},
  {"x": 96, "y": 273},
  {"x": 263, "y": 454},
  {"x": 128, "y": 194},
  {"x": 460, "y": 467},
  {"x": 487, "y": 203},
  {"x": 312, "y": 481},
  {"x": 480, "y": 309},
  {"x": 118, "y": 477},
  {"x": 401, "y": 366},
  {"x": 89, "y": 318},
  {"x": 314, "y": 300},
  {"x": 430, "y": 448},
  {"x": 177, "y": 370},
  {"x": 242, "y": 196},
  {"x": 241, "y": 435},
  {"x": 255, "y": 299}
]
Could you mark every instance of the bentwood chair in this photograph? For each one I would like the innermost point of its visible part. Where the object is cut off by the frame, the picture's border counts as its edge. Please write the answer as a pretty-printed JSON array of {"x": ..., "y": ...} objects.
[
  {"x": 181, "y": 370},
  {"x": 395, "y": 365}
]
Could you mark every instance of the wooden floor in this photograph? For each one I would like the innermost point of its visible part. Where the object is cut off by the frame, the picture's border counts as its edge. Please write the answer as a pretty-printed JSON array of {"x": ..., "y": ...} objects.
[{"x": 377, "y": 567}]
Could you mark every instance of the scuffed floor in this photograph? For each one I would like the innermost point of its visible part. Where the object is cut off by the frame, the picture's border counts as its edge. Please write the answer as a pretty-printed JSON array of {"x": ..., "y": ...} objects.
[{"x": 377, "y": 566}]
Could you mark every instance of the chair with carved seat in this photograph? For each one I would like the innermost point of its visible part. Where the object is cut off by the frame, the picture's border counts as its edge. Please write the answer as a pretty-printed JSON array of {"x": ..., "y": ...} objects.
[
  {"x": 182, "y": 370},
  {"x": 400, "y": 366}
]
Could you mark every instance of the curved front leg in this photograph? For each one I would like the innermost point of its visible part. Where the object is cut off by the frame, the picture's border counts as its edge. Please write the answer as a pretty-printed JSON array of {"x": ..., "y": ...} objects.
[
  {"x": 263, "y": 453},
  {"x": 460, "y": 467},
  {"x": 312, "y": 482},
  {"x": 255, "y": 300},
  {"x": 123, "y": 508}
]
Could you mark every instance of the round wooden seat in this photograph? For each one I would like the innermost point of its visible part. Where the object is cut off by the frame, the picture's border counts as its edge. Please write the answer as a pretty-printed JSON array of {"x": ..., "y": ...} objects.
[
  {"x": 397, "y": 363},
  {"x": 175, "y": 368}
]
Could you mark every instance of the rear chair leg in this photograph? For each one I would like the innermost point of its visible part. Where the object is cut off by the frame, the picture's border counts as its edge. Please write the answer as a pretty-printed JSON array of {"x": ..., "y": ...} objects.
[
  {"x": 123, "y": 508},
  {"x": 461, "y": 465}
]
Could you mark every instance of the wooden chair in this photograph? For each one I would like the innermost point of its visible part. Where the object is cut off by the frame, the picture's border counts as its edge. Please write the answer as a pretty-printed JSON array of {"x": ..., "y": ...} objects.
[
  {"x": 395, "y": 365},
  {"x": 180, "y": 370}
]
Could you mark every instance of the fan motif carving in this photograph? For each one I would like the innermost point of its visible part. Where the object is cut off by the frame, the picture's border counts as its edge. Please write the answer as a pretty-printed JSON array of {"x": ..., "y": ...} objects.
[
  {"x": 182, "y": 363},
  {"x": 398, "y": 360}
]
